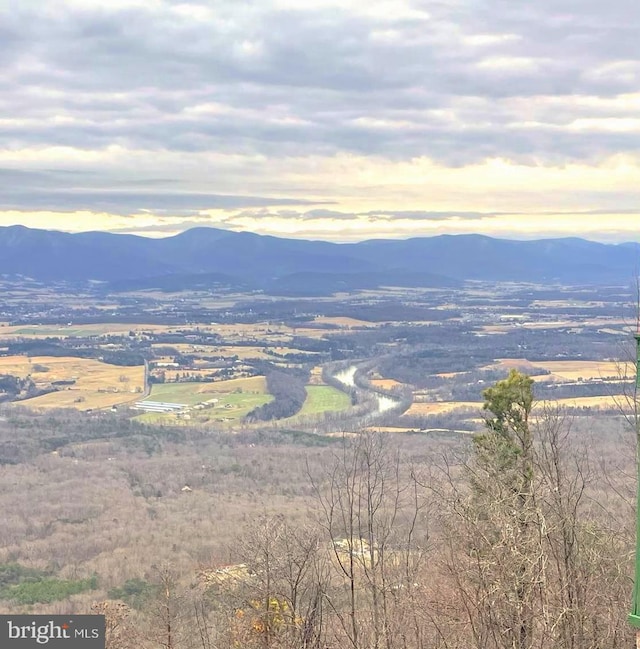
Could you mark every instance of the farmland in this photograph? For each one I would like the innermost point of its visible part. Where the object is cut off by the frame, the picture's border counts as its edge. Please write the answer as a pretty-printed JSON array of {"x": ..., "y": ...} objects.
[
  {"x": 570, "y": 370},
  {"x": 225, "y": 402},
  {"x": 324, "y": 398},
  {"x": 78, "y": 383},
  {"x": 193, "y": 487},
  {"x": 440, "y": 407},
  {"x": 429, "y": 345}
]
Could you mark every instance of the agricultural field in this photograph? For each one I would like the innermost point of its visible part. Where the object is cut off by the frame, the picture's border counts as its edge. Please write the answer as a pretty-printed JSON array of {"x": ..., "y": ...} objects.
[
  {"x": 219, "y": 351},
  {"x": 440, "y": 407},
  {"x": 618, "y": 403},
  {"x": 345, "y": 322},
  {"x": 570, "y": 370},
  {"x": 79, "y": 331},
  {"x": 518, "y": 321},
  {"x": 587, "y": 370},
  {"x": 386, "y": 384},
  {"x": 235, "y": 398},
  {"x": 91, "y": 383},
  {"x": 324, "y": 398},
  {"x": 316, "y": 376}
]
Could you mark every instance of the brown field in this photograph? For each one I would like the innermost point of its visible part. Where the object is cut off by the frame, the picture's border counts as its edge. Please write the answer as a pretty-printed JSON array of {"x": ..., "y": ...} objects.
[
  {"x": 97, "y": 385},
  {"x": 438, "y": 407},
  {"x": 345, "y": 321},
  {"x": 566, "y": 370},
  {"x": 573, "y": 370},
  {"x": 316, "y": 376},
  {"x": 616, "y": 402},
  {"x": 386, "y": 384}
]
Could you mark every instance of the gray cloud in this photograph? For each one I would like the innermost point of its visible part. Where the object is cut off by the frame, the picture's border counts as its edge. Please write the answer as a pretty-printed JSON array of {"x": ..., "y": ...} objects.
[
  {"x": 65, "y": 190},
  {"x": 245, "y": 78},
  {"x": 409, "y": 215}
]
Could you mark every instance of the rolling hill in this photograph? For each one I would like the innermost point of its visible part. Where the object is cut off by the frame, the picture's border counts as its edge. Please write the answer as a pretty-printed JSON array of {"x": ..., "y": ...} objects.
[{"x": 207, "y": 256}]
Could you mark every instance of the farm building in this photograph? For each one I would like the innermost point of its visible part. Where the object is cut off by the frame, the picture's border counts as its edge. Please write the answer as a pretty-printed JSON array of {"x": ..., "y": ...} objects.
[{"x": 158, "y": 406}]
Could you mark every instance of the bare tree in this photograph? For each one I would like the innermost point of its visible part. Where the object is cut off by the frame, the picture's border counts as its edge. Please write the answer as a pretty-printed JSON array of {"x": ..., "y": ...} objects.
[{"x": 374, "y": 519}]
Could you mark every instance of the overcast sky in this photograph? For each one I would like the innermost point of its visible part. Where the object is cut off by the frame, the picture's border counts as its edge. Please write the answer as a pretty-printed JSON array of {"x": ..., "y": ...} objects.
[{"x": 331, "y": 119}]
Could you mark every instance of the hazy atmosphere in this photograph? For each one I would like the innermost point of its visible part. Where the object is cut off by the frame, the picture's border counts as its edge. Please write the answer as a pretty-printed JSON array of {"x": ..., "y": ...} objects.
[{"x": 338, "y": 120}]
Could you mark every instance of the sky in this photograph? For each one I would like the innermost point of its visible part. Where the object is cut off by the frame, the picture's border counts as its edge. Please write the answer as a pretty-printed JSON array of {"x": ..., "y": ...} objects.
[{"x": 326, "y": 119}]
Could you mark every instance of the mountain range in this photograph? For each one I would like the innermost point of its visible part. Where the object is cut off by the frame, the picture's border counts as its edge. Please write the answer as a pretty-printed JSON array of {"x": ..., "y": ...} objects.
[{"x": 202, "y": 257}]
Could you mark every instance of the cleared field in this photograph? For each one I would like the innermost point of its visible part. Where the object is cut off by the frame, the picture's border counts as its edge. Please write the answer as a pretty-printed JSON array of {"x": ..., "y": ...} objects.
[
  {"x": 43, "y": 331},
  {"x": 605, "y": 402},
  {"x": 574, "y": 370},
  {"x": 386, "y": 384},
  {"x": 97, "y": 385},
  {"x": 439, "y": 407},
  {"x": 316, "y": 376},
  {"x": 235, "y": 399},
  {"x": 324, "y": 398},
  {"x": 341, "y": 321},
  {"x": 567, "y": 370},
  {"x": 193, "y": 393}
]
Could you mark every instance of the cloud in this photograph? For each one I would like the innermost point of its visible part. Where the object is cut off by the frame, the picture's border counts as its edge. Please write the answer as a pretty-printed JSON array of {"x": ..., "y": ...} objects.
[
  {"x": 180, "y": 107},
  {"x": 49, "y": 189}
]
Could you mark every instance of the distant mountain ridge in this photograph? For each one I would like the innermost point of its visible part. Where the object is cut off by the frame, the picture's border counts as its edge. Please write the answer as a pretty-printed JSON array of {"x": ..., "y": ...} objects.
[{"x": 203, "y": 256}]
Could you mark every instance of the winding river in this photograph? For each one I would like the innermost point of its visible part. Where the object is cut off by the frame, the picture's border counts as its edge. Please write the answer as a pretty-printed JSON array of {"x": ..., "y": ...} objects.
[{"x": 385, "y": 403}]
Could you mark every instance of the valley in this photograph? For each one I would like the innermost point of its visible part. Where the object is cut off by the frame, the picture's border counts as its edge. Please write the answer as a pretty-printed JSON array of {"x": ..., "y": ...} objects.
[{"x": 155, "y": 437}]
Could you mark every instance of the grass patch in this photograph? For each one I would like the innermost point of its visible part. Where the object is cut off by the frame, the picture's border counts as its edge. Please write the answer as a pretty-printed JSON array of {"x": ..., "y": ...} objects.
[{"x": 324, "y": 398}]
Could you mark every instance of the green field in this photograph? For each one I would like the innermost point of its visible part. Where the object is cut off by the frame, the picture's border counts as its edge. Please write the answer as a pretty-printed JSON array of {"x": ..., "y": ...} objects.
[
  {"x": 236, "y": 398},
  {"x": 186, "y": 393},
  {"x": 323, "y": 398}
]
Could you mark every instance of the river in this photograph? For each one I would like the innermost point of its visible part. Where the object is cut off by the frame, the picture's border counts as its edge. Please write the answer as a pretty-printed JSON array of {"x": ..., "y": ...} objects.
[{"x": 385, "y": 403}]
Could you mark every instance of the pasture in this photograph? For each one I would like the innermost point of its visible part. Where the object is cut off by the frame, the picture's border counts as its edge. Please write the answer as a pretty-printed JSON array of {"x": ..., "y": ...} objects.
[
  {"x": 95, "y": 384},
  {"x": 324, "y": 398},
  {"x": 234, "y": 399}
]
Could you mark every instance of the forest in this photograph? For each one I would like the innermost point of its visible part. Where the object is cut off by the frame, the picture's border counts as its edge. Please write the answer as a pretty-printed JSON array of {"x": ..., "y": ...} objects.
[{"x": 521, "y": 535}]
